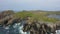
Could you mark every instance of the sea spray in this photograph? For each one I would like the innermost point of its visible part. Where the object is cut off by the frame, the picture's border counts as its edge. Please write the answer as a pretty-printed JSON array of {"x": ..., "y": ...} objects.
[
  {"x": 16, "y": 28},
  {"x": 19, "y": 27},
  {"x": 57, "y": 31}
]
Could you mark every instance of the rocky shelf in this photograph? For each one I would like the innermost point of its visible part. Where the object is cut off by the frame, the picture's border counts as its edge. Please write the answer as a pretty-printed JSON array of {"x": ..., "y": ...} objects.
[{"x": 35, "y": 27}]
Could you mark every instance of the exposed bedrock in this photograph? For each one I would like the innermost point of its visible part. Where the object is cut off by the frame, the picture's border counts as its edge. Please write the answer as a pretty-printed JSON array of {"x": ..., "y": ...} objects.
[
  {"x": 7, "y": 18},
  {"x": 35, "y": 26},
  {"x": 58, "y": 25},
  {"x": 6, "y": 13}
]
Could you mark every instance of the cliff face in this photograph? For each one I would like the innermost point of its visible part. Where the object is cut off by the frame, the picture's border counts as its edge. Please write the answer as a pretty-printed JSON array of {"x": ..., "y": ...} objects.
[
  {"x": 34, "y": 26},
  {"x": 38, "y": 28},
  {"x": 6, "y": 17}
]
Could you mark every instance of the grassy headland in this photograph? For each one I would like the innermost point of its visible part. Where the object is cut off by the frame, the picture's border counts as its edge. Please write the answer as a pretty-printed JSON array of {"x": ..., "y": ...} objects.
[{"x": 38, "y": 15}]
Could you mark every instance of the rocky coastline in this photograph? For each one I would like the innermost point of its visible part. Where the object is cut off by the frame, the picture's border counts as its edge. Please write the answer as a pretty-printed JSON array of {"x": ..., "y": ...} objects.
[{"x": 35, "y": 27}]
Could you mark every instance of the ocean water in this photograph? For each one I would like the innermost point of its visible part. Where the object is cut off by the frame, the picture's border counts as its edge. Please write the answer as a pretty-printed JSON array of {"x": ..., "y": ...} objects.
[
  {"x": 17, "y": 28},
  {"x": 57, "y": 31},
  {"x": 14, "y": 29},
  {"x": 54, "y": 16}
]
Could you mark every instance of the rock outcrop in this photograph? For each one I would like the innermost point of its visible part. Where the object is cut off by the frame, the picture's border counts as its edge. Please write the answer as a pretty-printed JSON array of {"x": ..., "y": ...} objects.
[
  {"x": 7, "y": 18},
  {"x": 58, "y": 25},
  {"x": 35, "y": 27},
  {"x": 6, "y": 13}
]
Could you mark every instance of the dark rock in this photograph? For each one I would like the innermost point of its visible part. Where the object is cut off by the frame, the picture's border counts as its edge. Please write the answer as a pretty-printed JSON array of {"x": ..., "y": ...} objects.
[
  {"x": 7, "y": 17},
  {"x": 58, "y": 25},
  {"x": 38, "y": 28}
]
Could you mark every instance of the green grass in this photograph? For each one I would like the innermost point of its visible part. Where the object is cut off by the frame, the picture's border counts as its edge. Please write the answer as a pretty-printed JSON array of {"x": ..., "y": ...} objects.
[{"x": 36, "y": 15}]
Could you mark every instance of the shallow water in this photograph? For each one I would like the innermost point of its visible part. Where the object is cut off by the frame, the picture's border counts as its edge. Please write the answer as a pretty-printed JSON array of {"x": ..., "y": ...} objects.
[{"x": 54, "y": 16}]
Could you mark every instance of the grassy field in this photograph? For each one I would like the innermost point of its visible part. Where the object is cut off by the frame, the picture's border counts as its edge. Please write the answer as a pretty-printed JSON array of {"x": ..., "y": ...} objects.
[{"x": 38, "y": 15}]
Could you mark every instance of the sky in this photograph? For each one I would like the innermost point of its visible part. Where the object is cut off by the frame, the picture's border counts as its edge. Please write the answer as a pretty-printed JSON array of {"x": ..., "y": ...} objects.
[{"x": 18, "y": 5}]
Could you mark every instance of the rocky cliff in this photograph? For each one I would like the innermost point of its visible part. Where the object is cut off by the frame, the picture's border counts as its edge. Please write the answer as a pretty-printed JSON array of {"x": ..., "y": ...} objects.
[
  {"x": 34, "y": 26},
  {"x": 7, "y": 17}
]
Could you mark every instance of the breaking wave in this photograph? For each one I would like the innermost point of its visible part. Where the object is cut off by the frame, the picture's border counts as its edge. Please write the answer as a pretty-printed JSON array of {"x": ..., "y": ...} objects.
[{"x": 17, "y": 28}]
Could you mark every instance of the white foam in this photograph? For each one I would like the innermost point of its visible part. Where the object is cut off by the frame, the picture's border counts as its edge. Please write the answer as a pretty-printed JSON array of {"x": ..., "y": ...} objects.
[
  {"x": 19, "y": 27},
  {"x": 7, "y": 27},
  {"x": 57, "y": 31}
]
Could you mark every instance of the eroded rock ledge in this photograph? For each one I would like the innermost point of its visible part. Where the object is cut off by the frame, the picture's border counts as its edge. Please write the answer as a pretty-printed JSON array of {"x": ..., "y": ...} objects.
[
  {"x": 6, "y": 17},
  {"x": 35, "y": 27}
]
